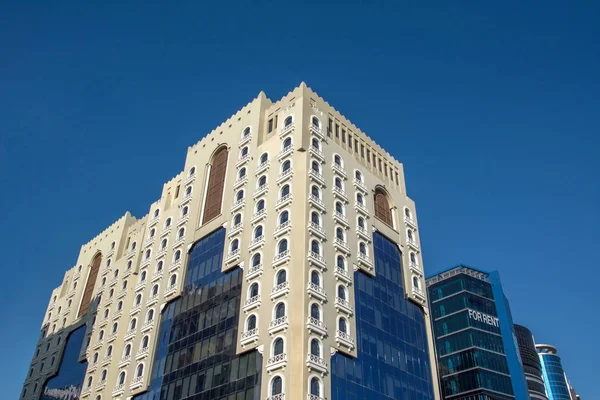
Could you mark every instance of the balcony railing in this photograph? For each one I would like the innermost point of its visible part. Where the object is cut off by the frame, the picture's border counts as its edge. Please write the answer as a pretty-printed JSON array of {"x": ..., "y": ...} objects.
[
  {"x": 281, "y": 258},
  {"x": 340, "y": 194},
  {"x": 283, "y": 201},
  {"x": 279, "y": 324},
  {"x": 254, "y": 271},
  {"x": 142, "y": 353},
  {"x": 343, "y": 305},
  {"x": 249, "y": 336},
  {"x": 118, "y": 390},
  {"x": 412, "y": 243},
  {"x": 276, "y": 362},
  {"x": 317, "y": 326},
  {"x": 238, "y": 204},
  {"x": 260, "y": 190},
  {"x": 317, "y": 202},
  {"x": 257, "y": 216},
  {"x": 342, "y": 274},
  {"x": 280, "y": 396},
  {"x": 317, "y": 177},
  {"x": 339, "y": 170},
  {"x": 410, "y": 222},
  {"x": 186, "y": 199},
  {"x": 240, "y": 182},
  {"x": 251, "y": 303},
  {"x": 261, "y": 167},
  {"x": 147, "y": 325},
  {"x": 256, "y": 242},
  {"x": 344, "y": 339},
  {"x": 286, "y": 130},
  {"x": 316, "y": 229},
  {"x": 232, "y": 256},
  {"x": 136, "y": 382},
  {"x": 341, "y": 245},
  {"x": 171, "y": 290},
  {"x": 242, "y": 161},
  {"x": 317, "y": 259},
  {"x": 341, "y": 218},
  {"x": 280, "y": 290},
  {"x": 283, "y": 228},
  {"x": 365, "y": 260},
  {"x": 285, "y": 152},
  {"x": 316, "y": 291},
  {"x": 360, "y": 186},
  {"x": 316, "y": 363},
  {"x": 317, "y": 153},
  {"x": 316, "y": 130},
  {"x": 285, "y": 175},
  {"x": 363, "y": 233},
  {"x": 190, "y": 179}
]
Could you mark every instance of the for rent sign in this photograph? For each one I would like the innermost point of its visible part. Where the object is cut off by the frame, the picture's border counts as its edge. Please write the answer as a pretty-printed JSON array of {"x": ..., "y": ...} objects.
[{"x": 488, "y": 319}]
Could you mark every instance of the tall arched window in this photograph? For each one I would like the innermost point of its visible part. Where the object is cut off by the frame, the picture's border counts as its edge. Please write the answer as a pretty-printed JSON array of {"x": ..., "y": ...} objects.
[
  {"x": 315, "y": 218},
  {"x": 276, "y": 386},
  {"x": 281, "y": 277},
  {"x": 358, "y": 176},
  {"x": 284, "y": 217},
  {"x": 339, "y": 233},
  {"x": 283, "y": 246},
  {"x": 216, "y": 182},
  {"x": 140, "y": 370},
  {"x": 341, "y": 263},
  {"x": 260, "y": 205},
  {"x": 315, "y": 387},
  {"x": 315, "y": 192},
  {"x": 258, "y": 232},
  {"x": 288, "y": 121},
  {"x": 278, "y": 346},
  {"x": 315, "y": 347},
  {"x": 280, "y": 310},
  {"x": 285, "y": 191},
  {"x": 256, "y": 260},
  {"x": 89, "y": 286},
  {"x": 286, "y": 166},
  {"x": 287, "y": 143},
  {"x": 315, "y": 247},
  {"x": 316, "y": 144},
  {"x": 315, "y": 311},
  {"x": 246, "y": 132},
  {"x": 382, "y": 208},
  {"x": 315, "y": 122},
  {"x": 145, "y": 341},
  {"x": 251, "y": 323},
  {"x": 315, "y": 167},
  {"x": 264, "y": 158},
  {"x": 315, "y": 278},
  {"x": 343, "y": 325},
  {"x": 253, "y": 290},
  {"x": 361, "y": 222},
  {"x": 237, "y": 219},
  {"x": 262, "y": 181},
  {"x": 341, "y": 292},
  {"x": 122, "y": 378}
]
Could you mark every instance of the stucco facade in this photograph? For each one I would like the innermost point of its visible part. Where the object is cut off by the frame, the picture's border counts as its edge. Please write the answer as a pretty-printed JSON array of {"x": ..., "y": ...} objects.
[{"x": 140, "y": 273}]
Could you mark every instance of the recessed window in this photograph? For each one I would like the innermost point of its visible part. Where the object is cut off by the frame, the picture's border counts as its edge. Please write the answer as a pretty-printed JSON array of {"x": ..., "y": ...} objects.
[
  {"x": 138, "y": 299},
  {"x": 316, "y": 143},
  {"x": 339, "y": 207},
  {"x": 251, "y": 323},
  {"x": 156, "y": 213},
  {"x": 239, "y": 196},
  {"x": 140, "y": 370},
  {"x": 358, "y": 176},
  {"x": 246, "y": 132},
  {"x": 284, "y": 217},
  {"x": 361, "y": 222},
  {"x": 315, "y": 122},
  {"x": 288, "y": 121},
  {"x": 362, "y": 248},
  {"x": 341, "y": 292},
  {"x": 315, "y": 311},
  {"x": 150, "y": 315},
  {"x": 168, "y": 223},
  {"x": 315, "y": 278},
  {"x": 314, "y": 190},
  {"x": 188, "y": 191},
  {"x": 256, "y": 260},
  {"x": 382, "y": 208},
  {"x": 285, "y": 190},
  {"x": 159, "y": 266},
  {"x": 235, "y": 244},
  {"x": 122, "y": 378},
  {"x": 287, "y": 143},
  {"x": 260, "y": 205},
  {"x": 258, "y": 232},
  {"x": 316, "y": 167},
  {"x": 253, "y": 291},
  {"x": 244, "y": 152},
  {"x": 315, "y": 247},
  {"x": 283, "y": 246},
  {"x": 280, "y": 310},
  {"x": 216, "y": 183},
  {"x": 315, "y": 387},
  {"x": 184, "y": 211},
  {"x": 416, "y": 282},
  {"x": 264, "y": 158},
  {"x": 132, "y": 324},
  {"x": 173, "y": 280},
  {"x": 143, "y": 276},
  {"x": 278, "y": 347},
  {"x": 192, "y": 171},
  {"x": 281, "y": 277},
  {"x": 343, "y": 325},
  {"x": 237, "y": 219},
  {"x": 286, "y": 166},
  {"x": 337, "y": 160},
  {"x": 262, "y": 181},
  {"x": 242, "y": 173},
  {"x": 359, "y": 199},
  {"x": 315, "y": 218},
  {"x": 341, "y": 262},
  {"x": 315, "y": 347},
  {"x": 338, "y": 183},
  {"x": 155, "y": 290}
]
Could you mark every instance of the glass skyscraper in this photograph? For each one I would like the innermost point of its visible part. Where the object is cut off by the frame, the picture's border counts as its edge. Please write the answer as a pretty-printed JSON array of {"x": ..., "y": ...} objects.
[
  {"x": 531, "y": 363},
  {"x": 557, "y": 387},
  {"x": 475, "y": 342}
]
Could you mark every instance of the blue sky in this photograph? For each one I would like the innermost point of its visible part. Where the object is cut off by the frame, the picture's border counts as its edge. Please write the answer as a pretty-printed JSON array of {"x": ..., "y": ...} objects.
[{"x": 493, "y": 109}]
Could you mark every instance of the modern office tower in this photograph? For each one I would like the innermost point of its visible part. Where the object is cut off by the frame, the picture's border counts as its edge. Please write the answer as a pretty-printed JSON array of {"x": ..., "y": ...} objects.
[
  {"x": 283, "y": 262},
  {"x": 531, "y": 363},
  {"x": 557, "y": 387},
  {"x": 476, "y": 347}
]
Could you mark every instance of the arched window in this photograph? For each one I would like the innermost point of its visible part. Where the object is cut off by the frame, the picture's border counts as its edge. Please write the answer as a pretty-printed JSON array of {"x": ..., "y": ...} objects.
[
  {"x": 315, "y": 122},
  {"x": 145, "y": 341},
  {"x": 177, "y": 256},
  {"x": 256, "y": 260},
  {"x": 150, "y": 315},
  {"x": 129, "y": 265},
  {"x": 103, "y": 376},
  {"x": 278, "y": 347},
  {"x": 407, "y": 213},
  {"x": 276, "y": 386},
  {"x": 288, "y": 121},
  {"x": 246, "y": 132},
  {"x": 115, "y": 327},
  {"x": 338, "y": 183},
  {"x": 133, "y": 323},
  {"x": 315, "y": 247},
  {"x": 281, "y": 277},
  {"x": 111, "y": 293},
  {"x": 358, "y": 176},
  {"x": 264, "y": 158},
  {"x": 242, "y": 173},
  {"x": 167, "y": 223},
  {"x": 283, "y": 246},
  {"x": 416, "y": 282},
  {"x": 280, "y": 310},
  {"x": 239, "y": 195},
  {"x": 359, "y": 199},
  {"x": 343, "y": 325},
  {"x": 89, "y": 382},
  {"x": 235, "y": 244},
  {"x": 315, "y": 218},
  {"x": 138, "y": 299},
  {"x": 315, "y": 192},
  {"x": 316, "y": 167},
  {"x": 119, "y": 306},
  {"x": 382, "y": 208},
  {"x": 95, "y": 358},
  {"x": 315, "y": 311},
  {"x": 362, "y": 248},
  {"x": 341, "y": 292},
  {"x": 260, "y": 205},
  {"x": 251, "y": 323},
  {"x": 315, "y": 278},
  {"x": 133, "y": 246},
  {"x": 188, "y": 191},
  {"x": 163, "y": 244},
  {"x": 315, "y": 347},
  {"x": 143, "y": 276},
  {"x": 106, "y": 314},
  {"x": 181, "y": 233},
  {"x": 258, "y": 232},
  {"x": 262, "y": 181},
  {"x": 337, "y": 160},
  {"x": 315, "y": 387},
  {"x": 316, "y": 144},
  {"x": 192, "y": 171},
  {"x": 173, "y": 280},
  {"x": 122, "y": 378},
  {"x": 285, "y": 190},
  {"x": 361, "y": 222},
  {"x": 287, "y": 143},
  {"x": 253, "y": 292},
  {"x": 237, "y": 219},
  {"x": 410, "y": 235},
  {"x": 148, "y": 254},
  {"x": 155, "y": 290},
  {"x": 244, "y": 152},
  {"x": 139, "y": 370},
  {"x": 156, "y": 213},
  {"x": 341, "y": 263},
  {"x": 339, "y": 233},
  {"x": 152, "y": 232},
  {"x": 100, "y": 336},
  {"x": 127, "y": 351},
  {"x": 284, "y": 217},
  {"x": 89, "y": 286},
  {"x": 216, "y": 182},
  {"x": 413, "y": 258},
  {"x": 339, "y": 207},
  {"x": 159, "y": 266},
  {"x": 108, "y": 263}
]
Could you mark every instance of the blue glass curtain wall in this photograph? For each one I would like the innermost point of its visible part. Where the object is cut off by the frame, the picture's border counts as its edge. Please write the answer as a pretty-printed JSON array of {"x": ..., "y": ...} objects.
[
  {"x": 196, "y": 351},
  {"x": 393, "y": 359}
]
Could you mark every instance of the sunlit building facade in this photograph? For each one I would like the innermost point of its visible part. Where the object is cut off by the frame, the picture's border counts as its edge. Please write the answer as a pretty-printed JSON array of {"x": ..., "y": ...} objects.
[
  {"x": 557, "y": 386},
  {"x": 282, "y": 262}
]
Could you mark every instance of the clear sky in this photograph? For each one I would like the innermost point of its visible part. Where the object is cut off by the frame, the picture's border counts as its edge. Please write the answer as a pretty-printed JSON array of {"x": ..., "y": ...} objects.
[{"x": 494, "y": 110}]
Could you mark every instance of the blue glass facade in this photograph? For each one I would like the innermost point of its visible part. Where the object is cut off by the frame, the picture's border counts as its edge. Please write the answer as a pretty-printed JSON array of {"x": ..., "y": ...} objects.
[
  {"x": 554, "y": 375},
  {"x": 392, "y": 356},
  {"x": 67, "y": 383},
  {"x": 476, "y": 348},
  {"x": 195, "y": 355}
]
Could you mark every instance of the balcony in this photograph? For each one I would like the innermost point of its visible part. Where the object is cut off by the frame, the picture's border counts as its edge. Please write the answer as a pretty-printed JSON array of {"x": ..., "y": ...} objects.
[
  {"x": 281, "y": 258},
  {"x": 316, "y": 153},
  {"x": 360, "y": 186},
  {"x": 316, "y": 291},
  {"x": 124, "y": 360},
  {"x": 106, "y": 361},
  {"x": 361, "y": 209},
  {"x": 75, "y": 277},
  {"x": 418, "y": 293},
  {"x": 316, "y": 230},
  {"x": 118, "y": 390},
  {"x": 316, "y": 130},
  {"x": 235, "y": 229},
  {"x": 277, "y": 362},
  {"x": 105, "y": 271},
  {"x": 240, "y": 182},
  {"x": 262, "y": 189},
  {"x": 180, "y": 240},
  {"x": 341, "y": 219},
  {"x": 342, "y": 274},
  {"x": 157, "y": 276},
  {"x": 161, "y": 252},
  {"x": 317, "y": 260},
  {"x": 183, "y": 219},
  {"x": 142, "y": 353},
  {"x": 285, "y": 152},
  {"x": 186, "y": 199},
  {"x": 238, "y": 205},
  {"x": 165, "y": 231},
  {"x": 413, "y": 245},
  {"x": 122, "y": 293},
  {"x": 243, "y": 160},
  {"x": 279, "y": 324},
  {"x": 344, "y": 339},
  {"x": 171, "y": 290},
  {"x": 339, "y": 193},
  {"x": 248, "y": 337},
  {"x": 316, "y": 177},
  {"x": 280, "y": 396},
  {"x": 131, "y": 254},
  {"x": 98, "y": 344},
  {"x": 135, "y": 309},
  {"x": 316, "y": 202},
  {"x": 285, "y": 175},
  {"x": 110, "y": 253},
  {"x": 283, "y": 201},
  {"x": 258, "y": 216},
  {"x": 283, "y": 229},
  {"x": 314, "y": 397},
  {"x": 233, "y": 256},
  {"x": 245, "y": 139},
  {"x": 316, "y": 363},
  {"x": 342, "y": 246},
  {"x": 363, "y": 233},
  {"x": 190, "y": 179},
  {"x": 256, "y": 243},
  {"x": 262, "y": 167},
  {"x": 140, "y": 285},
  {"x": 316, "y": 326},
  {"x": 280, "y": 290},
  {"x": 136, "y": 382},
  {"x": 86, "y": 391},
  {"x": 111, "y": 337},
  {"x": 254, "y": 271},
  {"x": 92, "y": 367},
  {"x": 343, "y": 306},
  {"x": 365, "y": 261},
  {"x": 251, "y": 303},
  {"x": 148, "y": 325},
  {"x": 144, "y": 264},
  {"x": 339, "y": 170},
  {"x": 152, "y": 300},
  {"x": 174, "y": 265},
  {"x": 154, "y": 221},
  {"x": 129, "y": 334},
  {"x": 149, "y": 241},
  {"x": 415, "y": 268},
  {"x": 286, "y": 130},
  {"x": 410, "y": 222}
]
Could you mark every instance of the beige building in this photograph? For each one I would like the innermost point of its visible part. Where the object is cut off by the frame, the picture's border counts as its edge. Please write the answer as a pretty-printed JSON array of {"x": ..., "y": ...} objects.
[{"x": 299, "y": 197}]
